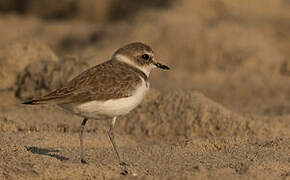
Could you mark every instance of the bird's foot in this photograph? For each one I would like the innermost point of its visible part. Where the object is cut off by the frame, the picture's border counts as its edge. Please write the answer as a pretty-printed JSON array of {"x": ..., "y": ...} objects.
[
  {"x": 123, "y": 165},
  {"x": 124, "y": 172},
  {"x": 83, "y": 161}
]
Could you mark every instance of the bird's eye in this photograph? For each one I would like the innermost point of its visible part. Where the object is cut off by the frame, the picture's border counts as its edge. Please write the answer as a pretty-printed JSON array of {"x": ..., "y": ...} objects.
[{"x": 145, "y": 56}]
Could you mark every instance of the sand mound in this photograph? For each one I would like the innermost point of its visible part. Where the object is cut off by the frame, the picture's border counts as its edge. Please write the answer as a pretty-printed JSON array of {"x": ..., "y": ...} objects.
[
  {"x": 15, "y": 57},
  {"x": 183, "y": 114}
]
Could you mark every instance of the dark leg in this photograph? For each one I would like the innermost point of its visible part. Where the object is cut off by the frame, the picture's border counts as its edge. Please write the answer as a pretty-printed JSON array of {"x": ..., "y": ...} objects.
[
  {"x": 111, "y": 136},
  {"x": 81, "y": 140}
]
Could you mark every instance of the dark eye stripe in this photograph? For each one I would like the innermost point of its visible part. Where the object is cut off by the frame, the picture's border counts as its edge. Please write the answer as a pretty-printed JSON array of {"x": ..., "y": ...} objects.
[{"x": 145, "y": 56}]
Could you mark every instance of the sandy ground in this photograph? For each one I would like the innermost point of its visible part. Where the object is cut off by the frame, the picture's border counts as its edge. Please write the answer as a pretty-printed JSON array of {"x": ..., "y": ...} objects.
[{"x": 222, "y": 112}]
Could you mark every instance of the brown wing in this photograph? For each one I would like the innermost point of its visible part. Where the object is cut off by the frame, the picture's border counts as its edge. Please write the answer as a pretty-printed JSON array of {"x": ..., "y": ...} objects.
[{"x": 109, "y": 80}]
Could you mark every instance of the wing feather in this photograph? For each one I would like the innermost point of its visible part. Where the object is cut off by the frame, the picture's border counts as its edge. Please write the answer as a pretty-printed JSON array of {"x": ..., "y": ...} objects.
[{"x": 109, "y": 80}]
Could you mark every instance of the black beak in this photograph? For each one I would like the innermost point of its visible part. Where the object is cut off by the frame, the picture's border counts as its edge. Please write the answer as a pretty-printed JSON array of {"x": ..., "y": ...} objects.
[{"x": 161, "y": 66}]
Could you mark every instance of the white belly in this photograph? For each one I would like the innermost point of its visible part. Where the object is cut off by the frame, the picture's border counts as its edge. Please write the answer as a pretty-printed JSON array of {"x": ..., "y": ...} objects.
[{"x": 110, "y": 108}]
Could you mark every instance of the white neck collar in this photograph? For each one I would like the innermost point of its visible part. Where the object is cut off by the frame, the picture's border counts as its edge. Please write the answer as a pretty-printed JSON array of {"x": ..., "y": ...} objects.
[{"x": 145, "y": 69}]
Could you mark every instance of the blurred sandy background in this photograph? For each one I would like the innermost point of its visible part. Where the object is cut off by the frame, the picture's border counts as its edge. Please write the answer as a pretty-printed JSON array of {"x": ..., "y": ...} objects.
[{"x": 222, "y": 112}]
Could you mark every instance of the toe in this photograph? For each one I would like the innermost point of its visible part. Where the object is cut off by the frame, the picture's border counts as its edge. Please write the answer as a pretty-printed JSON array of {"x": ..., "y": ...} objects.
[{"x": 124, "y": 172}]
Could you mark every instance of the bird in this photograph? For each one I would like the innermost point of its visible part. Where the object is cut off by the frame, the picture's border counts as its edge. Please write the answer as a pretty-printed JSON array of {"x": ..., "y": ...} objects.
[{"x": 107, "y": 90}]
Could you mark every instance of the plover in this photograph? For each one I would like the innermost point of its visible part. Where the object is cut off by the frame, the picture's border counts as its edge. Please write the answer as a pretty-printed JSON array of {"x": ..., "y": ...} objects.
[{"x": 107, "y": 90}]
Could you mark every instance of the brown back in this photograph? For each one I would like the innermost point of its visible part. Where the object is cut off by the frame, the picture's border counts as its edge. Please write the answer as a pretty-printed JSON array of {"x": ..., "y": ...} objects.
[{"x": 98, "y": 83}]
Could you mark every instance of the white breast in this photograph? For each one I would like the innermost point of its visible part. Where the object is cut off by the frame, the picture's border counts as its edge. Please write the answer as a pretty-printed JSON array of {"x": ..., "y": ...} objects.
[{"x": 111, "y": 108}]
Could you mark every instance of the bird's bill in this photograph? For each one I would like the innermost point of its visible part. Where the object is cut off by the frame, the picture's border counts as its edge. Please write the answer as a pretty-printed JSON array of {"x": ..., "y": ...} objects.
[{"x": 161, "y": 66}]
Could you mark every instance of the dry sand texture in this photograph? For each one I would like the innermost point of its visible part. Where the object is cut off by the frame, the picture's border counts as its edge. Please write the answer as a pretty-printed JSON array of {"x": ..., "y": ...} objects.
[{"x": 222, "y": 112}]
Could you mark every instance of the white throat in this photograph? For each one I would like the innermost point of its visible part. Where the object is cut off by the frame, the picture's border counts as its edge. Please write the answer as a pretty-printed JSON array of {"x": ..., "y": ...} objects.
[{"x": 125, "y": 59}]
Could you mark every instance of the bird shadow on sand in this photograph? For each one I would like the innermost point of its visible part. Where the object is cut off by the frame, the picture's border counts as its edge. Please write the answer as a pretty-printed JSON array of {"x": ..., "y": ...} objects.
[{"x": 46, "y": 152}]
